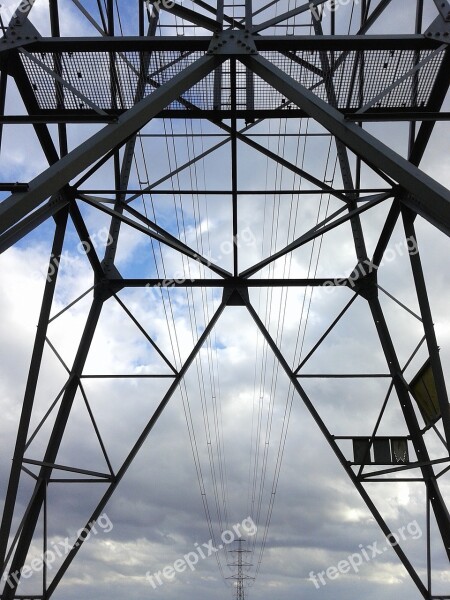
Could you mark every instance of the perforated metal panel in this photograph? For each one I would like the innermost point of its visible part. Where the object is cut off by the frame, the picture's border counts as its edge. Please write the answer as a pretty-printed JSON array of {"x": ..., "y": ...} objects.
[{"x": 358, "y": 77}]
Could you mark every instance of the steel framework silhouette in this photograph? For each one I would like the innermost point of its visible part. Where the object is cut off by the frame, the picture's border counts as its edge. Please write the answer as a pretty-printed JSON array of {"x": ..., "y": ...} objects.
[
  {"x": 235, "y": 72},
  {"x": 240, "y": 577}
]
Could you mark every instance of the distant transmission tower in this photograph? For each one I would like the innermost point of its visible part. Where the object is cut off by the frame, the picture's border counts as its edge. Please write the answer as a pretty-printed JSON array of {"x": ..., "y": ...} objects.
[{"x": 239, "y": 577}]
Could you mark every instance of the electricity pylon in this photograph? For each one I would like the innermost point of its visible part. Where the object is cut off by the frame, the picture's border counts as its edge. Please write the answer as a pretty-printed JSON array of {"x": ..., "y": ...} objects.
[
  {"x": 235, "y": 69},
  {"x": 240, "y": 577}
]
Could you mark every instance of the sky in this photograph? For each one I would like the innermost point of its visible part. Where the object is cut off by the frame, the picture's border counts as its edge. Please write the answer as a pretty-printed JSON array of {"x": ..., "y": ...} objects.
[{"x": 235, "y": 446}]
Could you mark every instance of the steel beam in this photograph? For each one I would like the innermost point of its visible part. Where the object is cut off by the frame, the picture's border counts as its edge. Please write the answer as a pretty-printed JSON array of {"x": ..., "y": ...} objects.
[
  {"x": 192, "y": 16},
  {"x": 436, "y": 101},
  {"x": 439, "y": 506},
  {"x": 313, "y": 6},
  {"x": 230, "y": 282},
  {"x": 3, "y": 86},
  {"x": 201, "y": 43},
  {"x": 30, "y": 390},
  {"x": 386, "y": 233},
  {"x": 427, "y": 319},
  {"x": 234, "y": 169},
  {"x": 298, "y": 10},
  {"x": 16, "y": 233},
  {"x": 313, "y": 233},
  {"x": 426, "y": 196},
  {"x": 31, "y": 105},
  {"x": 285, "y": 163},
  {"x": 215, "y": 115},
  {"x": 53, "y": 179},
  {"x": 89, "y": 246},
  {"x": 332, "y": 443},
  {"x": 342, "y": 154},
  {"x": 36, "y": 502},
  {"x": 166, "y": 239},
  {"x": 123, "y": 177},
  {"x": 134, "y": 451},
  {"x": 326, "y": 333},
  {"x": 92, "y": 194}
]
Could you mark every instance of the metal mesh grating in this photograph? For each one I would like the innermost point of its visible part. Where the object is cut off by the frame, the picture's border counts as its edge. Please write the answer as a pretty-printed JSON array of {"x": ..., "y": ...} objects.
[
  {"x": 111, "y": 81},
  {"x": 108, "y": 81},
  {"x": 358, "y": 77}
]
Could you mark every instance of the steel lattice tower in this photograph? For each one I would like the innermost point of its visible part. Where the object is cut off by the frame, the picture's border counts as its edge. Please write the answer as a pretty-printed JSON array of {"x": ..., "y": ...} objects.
[
  {"x": 231, "y": 72},
  {"x": 240, "y": 577}
]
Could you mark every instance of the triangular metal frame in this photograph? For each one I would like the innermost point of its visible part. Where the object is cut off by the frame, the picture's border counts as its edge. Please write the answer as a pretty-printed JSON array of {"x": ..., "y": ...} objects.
[{"x": 50, "y": 194}]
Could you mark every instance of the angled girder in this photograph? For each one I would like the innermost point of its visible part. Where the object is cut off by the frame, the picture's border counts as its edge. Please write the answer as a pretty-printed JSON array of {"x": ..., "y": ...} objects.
[
  {"x": 437, "y": 98},
  {"x": 313, "y": 7},
  {"x": 342, "y": 154},
  {"x": 122, "y": 175},
  {"x": 39, "y": 495},
  {"x": 315, "y": 232},
  {"x": 192, "y": 16},
  {"x": 303, "y": 8},
  {"x": 37, "y": 499},
  {"x": 426, "y": 196},
  {"x": 30, "y": 389},
  {"x": 285, "y": 163},
  {"x": 158, "y": 233},
  {"x": 393, "y": 364},
  {"x": 18, "y": 206},
  {"x": 31, "y": 105},
  {"x": 334, "y": 446}
]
